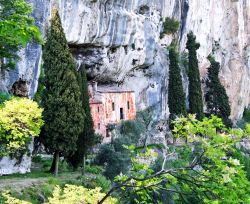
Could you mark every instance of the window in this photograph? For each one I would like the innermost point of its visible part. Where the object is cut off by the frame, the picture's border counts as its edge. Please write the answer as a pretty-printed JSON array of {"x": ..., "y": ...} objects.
[
  {"x": 107, "y": 133},
  {"x": 113, "y": 106},
  {"x": 98, "y": 109},
  {"x": 121, "y": 114},
  {"x": 99, "y": 126},
  {"x": 128, "y": 105}
]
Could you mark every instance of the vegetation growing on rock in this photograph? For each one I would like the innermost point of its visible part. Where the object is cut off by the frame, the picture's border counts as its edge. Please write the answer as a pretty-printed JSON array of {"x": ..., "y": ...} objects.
[
  {"x": 216, "y": 96},
  {"x": 170, "y": 26},
  {"x": 194, "y": 88},
  {"x": 176, "y": 96}
]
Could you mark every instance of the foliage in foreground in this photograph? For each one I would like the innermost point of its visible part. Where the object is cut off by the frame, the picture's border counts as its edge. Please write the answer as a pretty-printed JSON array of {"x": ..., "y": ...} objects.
[
  {"x": 114, "y": 157},
  {"x": 20, "y": 118},
  {"x": 216, "y": 96},
  {"x": 63, "y": 114},
  {"x": 16, "y": 30},
  {"x": 70, "y": 194},
  {"x": 204, "y": 169}
]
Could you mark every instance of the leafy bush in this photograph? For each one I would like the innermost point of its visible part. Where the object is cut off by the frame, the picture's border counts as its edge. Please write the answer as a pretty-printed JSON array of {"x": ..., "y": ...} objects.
[
  {"x": 114, "y": 157},
  {"x": 103, "y": 182},
  {"x": 203, "y": 169},
  {"x": 46, "y": 164},
  {"x": 170, "y": 26},
  {"x": 11, "y": 200},
  {"x": 93, "y": 169},
  {"x": 245, "y": 160},
  {"x": 245, "y": 119},
  {"x": 4, "y": 96},
  {"x": 70, "y": 194},
  {"x": 76, "y": 194},
  {"x": 113, "y": 161},
  {"x": 20, "y": 119},
  {"x": 37, "y": 159},
  {"x": 246, "y": 115}
]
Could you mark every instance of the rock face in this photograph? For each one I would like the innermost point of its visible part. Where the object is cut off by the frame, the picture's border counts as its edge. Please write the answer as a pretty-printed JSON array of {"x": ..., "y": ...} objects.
[
  {"x": 11, "y": 166},
  {"x": 119, "y": 42},
  {"x": 223, "y": 27},
  {"x": 21, "y": 165}
]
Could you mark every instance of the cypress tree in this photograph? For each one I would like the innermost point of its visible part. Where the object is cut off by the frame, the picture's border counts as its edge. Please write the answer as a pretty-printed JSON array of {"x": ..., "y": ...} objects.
[
  {"x": 176, "y": 96},
  {"x": 63, "y": 114},
  {"x": 216, "y": 96},
  {"x": 194, "y": 90},
  {"x": 87, "y": 138}
]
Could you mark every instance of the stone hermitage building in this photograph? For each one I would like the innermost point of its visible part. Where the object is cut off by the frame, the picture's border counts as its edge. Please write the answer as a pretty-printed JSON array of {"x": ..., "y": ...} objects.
[{"x": 110, "y": 105}]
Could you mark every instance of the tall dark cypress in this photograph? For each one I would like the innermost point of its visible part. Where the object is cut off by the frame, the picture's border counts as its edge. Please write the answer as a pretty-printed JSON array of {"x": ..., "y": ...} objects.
[
  {"x": 61, "y": 100},
  {"x": 216, "y": 96},
  {"x": 87, "y": 138},
  {"x": 176, "y": 96},
  {"x": 194, "y": 90}
]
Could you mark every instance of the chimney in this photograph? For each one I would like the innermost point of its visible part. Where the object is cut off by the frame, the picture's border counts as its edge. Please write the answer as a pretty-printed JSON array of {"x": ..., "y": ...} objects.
[
  {"x": 90, "y": 90},
  {"x": 94, "y": 87}
]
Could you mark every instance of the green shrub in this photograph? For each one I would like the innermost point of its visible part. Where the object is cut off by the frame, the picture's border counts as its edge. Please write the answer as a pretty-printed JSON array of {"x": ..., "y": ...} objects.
[
  {"x": 245, "y": 160},
  {"x": 4, "y": 96},
  {"x": 246, "y": 115},
  {"x": 47, "y": 190},
  {"x": 170, "y": 26},
  {"x": 37, "y": 159},
  {"x": 114, "y": 157},
  {"x": 245, "y": 119},
  {"x": 103, "y": 182},
  {"x": 93, "y": 169},
  {"x": 53, "y": 181},
  {"x": 46, "y": 164},
  {"x": 20, "y": 118},
  {"x": 114, "y": 161}
]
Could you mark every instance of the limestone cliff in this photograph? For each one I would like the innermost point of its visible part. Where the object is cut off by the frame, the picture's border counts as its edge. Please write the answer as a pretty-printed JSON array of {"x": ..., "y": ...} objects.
[{"x": 119, "y": 42}]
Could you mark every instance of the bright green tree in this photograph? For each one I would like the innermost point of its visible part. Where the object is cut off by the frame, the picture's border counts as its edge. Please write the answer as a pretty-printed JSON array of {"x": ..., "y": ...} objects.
[
  {"x": 194, "y": 89},
  {"x": 205, "y": 169},
  {"x": 87, "y": 138},
  {"x": 176, "y": 96},
  {"x": 16, "y": 30},
  {"x": 20, "y": 119},
  {"x": 216, "y": 96},
  {"x": 61, "y": 100}
]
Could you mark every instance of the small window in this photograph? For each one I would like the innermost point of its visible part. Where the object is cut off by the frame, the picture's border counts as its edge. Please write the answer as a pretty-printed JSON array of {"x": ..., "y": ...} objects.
[
  {"x": 113, "y": 106},
  {"x": 121, "y": 114},
  {"x": 107, "y": 133},
  {"x": 98, "y": 109},
  {"x": 128, "y": 105},
  {"x": 99, "y": 126}
]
